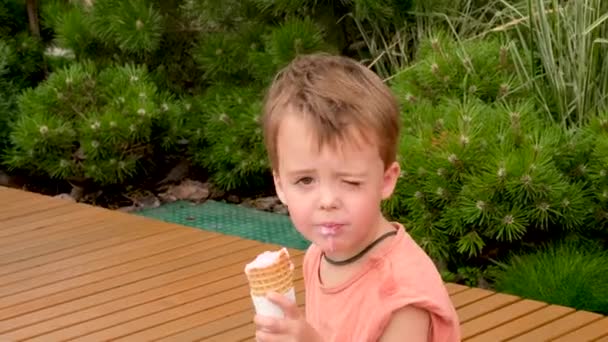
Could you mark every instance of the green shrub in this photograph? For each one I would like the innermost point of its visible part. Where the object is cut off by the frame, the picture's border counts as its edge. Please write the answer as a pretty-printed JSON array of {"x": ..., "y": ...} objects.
[
  {"x": 484, "y": 173},
  {"x": 7, "y": 92},
  {"x": 227, "y": 138},
  {"x": 218, "y": 55},
  {"x": 87, "y": 124},
  {"x": 566, "y": 274},
  {"x": 21, "y": 62}
]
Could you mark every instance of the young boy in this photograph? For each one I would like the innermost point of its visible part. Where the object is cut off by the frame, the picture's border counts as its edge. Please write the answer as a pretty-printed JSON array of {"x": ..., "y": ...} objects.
[{"x": 331, "y": 128}]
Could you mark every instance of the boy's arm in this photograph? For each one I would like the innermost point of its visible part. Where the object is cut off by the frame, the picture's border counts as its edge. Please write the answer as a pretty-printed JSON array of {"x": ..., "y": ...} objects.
[{"x": 409, "y": 323}]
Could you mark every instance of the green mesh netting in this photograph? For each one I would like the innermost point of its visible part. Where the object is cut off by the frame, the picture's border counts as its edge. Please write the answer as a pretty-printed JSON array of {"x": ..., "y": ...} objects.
[{"x": 231, "y": 219}]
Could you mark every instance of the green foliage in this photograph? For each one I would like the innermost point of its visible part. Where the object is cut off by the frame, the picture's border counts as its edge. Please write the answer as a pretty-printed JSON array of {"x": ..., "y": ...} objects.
[
  {"x": 13, "y": 17},
  {"x": 444, "y": 67},
  {"x": 87, "y": 124},
  {"x": 566, "y": 273},
  {"x": 238, "y": 63},
  {"x": 483, "y": 172},
  {"x": 229, "y": 142},
  {"x": 132, "y": 26},
  {"x": 565, "y": 47},
  {"x": 7, "y": 92},
  {"x": 21, "y": 62},
  {"x": 110, "y": 29},
  {"x": 209, "y": 52}
]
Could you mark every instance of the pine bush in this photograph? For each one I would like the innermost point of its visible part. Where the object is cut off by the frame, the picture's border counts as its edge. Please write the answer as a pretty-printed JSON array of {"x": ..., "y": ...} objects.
[
  {"x": 83, "y": 124},
  {"x": 21, "y": 62},
  {"x": 229, "y": 143},
  {"x": 216, "y": 56},
  {"x": 239, "y": 66},
  {"x": 483, "y": 171}
]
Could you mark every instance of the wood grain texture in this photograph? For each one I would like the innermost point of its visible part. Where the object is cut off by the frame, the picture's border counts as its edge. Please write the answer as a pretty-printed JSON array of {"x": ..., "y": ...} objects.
[{"x": 71, "y": 271}]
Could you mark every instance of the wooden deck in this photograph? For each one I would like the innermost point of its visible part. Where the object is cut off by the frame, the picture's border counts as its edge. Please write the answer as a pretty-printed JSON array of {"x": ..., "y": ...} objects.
[{"x": 72, "y": 271}]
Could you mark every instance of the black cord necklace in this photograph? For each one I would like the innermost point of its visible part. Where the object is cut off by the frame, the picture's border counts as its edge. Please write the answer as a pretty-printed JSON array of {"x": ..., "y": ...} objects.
[{"x": 360, "y": 254}]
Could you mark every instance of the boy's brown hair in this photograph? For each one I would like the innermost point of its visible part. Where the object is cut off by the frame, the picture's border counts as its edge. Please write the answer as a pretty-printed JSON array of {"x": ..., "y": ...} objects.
[{"x": 333, "y": 92}]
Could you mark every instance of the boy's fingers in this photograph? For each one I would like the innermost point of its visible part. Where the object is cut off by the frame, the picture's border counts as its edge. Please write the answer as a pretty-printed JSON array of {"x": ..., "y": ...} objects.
[
  {"x": 269, "y": 324},
  {"x": 261, "y": 336},
  {"x": 289, "y": 308}
]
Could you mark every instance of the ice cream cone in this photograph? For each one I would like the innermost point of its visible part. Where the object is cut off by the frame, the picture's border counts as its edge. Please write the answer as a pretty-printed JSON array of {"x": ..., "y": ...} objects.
[{"x": 270, "y": 271}]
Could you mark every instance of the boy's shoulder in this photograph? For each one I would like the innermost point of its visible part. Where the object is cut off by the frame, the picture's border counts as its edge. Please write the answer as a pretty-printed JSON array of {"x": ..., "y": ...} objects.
[{"x": 411, "y": 263}]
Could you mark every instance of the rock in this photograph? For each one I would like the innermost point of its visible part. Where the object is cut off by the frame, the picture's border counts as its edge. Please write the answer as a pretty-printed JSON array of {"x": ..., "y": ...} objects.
[
  {"x": 248, "y": 203},
  {"x": 177, "y": 173},
  {"x": 215, "y": 192},
  {"x": 77, "y": 192},
  {"x": 167, "y": 197},
  {"x": 149, "y": 201},
  {"x": 233, "y": 199},
  {"x": 127, "y": 209},
  {"x": 265, "y": 203},
  {"x": 483, "y": 283},
  {"x": 188, "y": 190},
  {"x": 280, "y": 209},
  {"x": 65, "y": 196},
  {"x": 10, "y": 181}
]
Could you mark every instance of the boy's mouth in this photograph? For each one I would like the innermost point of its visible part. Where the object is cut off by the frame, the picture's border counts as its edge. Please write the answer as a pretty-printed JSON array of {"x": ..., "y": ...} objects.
[{"x": 330, "y": 229}]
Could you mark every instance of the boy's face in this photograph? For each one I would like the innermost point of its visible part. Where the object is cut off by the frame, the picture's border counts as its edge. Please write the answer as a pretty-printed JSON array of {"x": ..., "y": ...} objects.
[{"x": 333, "y": 195}]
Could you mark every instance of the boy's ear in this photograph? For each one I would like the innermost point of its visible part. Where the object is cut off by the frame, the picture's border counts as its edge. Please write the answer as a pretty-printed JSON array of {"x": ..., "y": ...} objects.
[
  {"x": 389, "y": 181},
  {"x": 278, "y": 187}
]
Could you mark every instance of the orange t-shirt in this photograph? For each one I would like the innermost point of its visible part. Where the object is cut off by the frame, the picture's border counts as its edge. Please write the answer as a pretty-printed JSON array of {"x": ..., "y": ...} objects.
[{"x": 397, "y": 274}]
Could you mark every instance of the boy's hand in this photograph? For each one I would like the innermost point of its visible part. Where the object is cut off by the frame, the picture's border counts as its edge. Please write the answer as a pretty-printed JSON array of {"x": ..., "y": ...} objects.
[{"x": 292, "y": 328}]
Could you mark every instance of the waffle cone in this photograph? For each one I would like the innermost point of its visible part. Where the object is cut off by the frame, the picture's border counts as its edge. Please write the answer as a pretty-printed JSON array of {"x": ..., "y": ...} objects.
[{"x": 276, "y": 277}]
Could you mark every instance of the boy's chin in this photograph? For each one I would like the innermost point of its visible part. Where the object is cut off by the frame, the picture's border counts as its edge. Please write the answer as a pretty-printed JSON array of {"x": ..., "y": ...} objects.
[{"x": 328, "y": 247}]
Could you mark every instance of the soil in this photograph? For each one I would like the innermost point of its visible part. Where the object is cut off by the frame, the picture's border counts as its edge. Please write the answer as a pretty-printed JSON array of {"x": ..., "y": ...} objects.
[{"x": 181, "y": 182}]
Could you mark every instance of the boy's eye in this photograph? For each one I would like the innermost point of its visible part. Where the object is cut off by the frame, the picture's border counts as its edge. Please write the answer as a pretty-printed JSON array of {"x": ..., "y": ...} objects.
[
  {"x": 353, "y": 183},
  {"x": 304, "y": 180}
]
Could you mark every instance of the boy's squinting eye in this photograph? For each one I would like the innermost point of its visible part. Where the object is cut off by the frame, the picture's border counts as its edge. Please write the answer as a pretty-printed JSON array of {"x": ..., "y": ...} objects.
[{"x": 353, "y": 183}]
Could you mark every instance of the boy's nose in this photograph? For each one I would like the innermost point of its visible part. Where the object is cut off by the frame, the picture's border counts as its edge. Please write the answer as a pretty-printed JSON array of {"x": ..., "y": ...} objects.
[{"x": 328, "y": 198}]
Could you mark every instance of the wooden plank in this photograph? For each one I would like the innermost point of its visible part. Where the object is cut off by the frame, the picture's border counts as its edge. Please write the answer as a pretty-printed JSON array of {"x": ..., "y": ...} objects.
[
  {"x": 15, "y": 196},
  {"x": 71, "y": 270},
  {"x": 148, "y": 315},
  {"x": 22, "y": 198},
  {"x": 588, "y": 332},
  {"x": 41, "y": 260},
  {"x": 216, "y": 256},
  {"x": 498, "y": 317},
  {"x": 469, "y": 296},
  {"x": 34, "y": 205},
  {"x": 229, "y": 324},
  {"x": 105, "y": 258},
  {"x": 42, "y": 221},
  {"x": 193, "y": 320},
  {"x": 227, "y": 330},
  {"x": 118, "y": 275},
  {"x": 102, "y": 230},
  {"x": 156, "y": 298},
  {"x": 454, "y": 288},
  {"x": 485, "y": 305},
  {"x": 523, "y": 324},
  {"x": 47, "y": 215},
  {"x": 559, "y": 327},
  {"x": 16, "y": 243}
]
